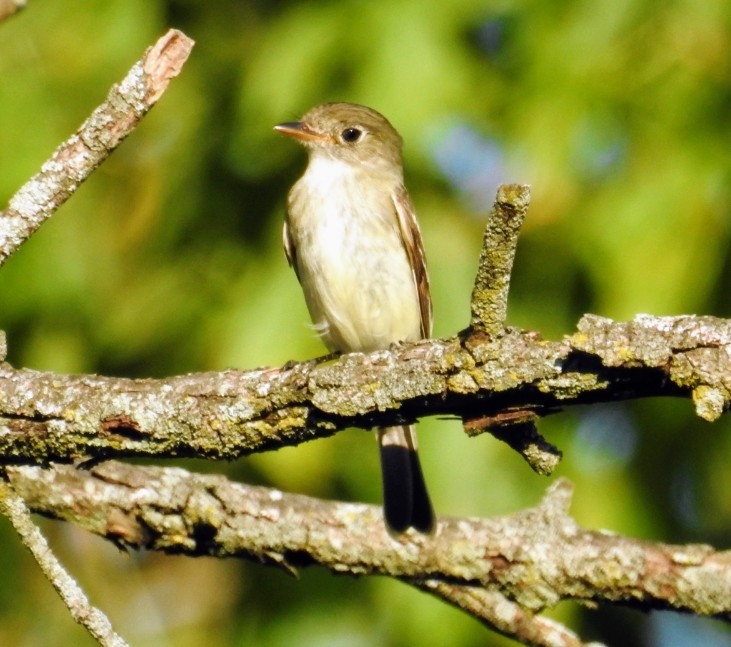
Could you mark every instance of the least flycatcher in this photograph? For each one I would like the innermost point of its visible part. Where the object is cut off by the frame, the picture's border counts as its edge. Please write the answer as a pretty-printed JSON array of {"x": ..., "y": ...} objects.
[{"x": 351, "y": 235}]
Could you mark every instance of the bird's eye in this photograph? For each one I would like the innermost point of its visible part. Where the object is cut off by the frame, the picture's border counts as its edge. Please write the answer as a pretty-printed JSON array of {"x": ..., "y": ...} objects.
[{"x": 351, "y": 135}]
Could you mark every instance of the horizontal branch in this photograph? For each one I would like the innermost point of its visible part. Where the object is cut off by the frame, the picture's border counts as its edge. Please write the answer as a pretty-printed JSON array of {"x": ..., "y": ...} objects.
[
  {"x": 50, "y": 417},
  {"x": 536, "y": 557}
]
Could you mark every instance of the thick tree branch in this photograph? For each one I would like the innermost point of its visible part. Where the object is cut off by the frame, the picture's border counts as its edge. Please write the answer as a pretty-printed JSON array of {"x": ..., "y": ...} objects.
[
  {"x": 45, "y": 416},
  {"x": 535, "y": 558},
  {"x": 99, "y": 135}
]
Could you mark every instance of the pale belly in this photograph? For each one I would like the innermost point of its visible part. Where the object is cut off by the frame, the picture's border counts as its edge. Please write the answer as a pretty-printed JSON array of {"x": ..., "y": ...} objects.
[
  {"x": 351, "y": 261},
  {"x": 357, "y": 283},
  {"x": 359, "y": 289}
]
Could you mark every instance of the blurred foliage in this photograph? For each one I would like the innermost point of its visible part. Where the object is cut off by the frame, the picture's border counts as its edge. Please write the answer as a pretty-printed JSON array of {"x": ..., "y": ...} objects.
[{"x": 168, "y": 260}]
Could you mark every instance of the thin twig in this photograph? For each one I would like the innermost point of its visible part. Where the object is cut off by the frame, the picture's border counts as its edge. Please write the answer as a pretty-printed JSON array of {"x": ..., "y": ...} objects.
[
  {"x": 91, "y": 618},
  {"x": 498, "y": 613},
  {"x": 99, "y": 135}
]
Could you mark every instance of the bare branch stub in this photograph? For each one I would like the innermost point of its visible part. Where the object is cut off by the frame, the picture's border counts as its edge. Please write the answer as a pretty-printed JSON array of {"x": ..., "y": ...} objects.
[
  {"x": 490, "y": 293},
  {"x": 98, "y": 136},
  {"x": 518, "y": 430}
]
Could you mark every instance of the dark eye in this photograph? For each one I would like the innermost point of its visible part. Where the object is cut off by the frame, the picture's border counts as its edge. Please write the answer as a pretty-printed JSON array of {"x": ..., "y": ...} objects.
[{"x": 351, "y": 135}]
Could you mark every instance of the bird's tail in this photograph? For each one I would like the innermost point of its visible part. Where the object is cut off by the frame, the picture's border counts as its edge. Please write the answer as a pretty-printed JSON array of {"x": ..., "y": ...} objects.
[{"x": 406, "y": 501}]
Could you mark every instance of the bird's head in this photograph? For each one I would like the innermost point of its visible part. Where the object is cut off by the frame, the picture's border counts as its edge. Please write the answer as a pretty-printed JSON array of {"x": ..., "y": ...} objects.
[{"x": 349, "y": 133}]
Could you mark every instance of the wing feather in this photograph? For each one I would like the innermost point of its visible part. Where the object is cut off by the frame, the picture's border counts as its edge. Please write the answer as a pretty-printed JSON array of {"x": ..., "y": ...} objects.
[
  {"x": 289, "y": 249},
  {"x": 411, "y": 238}
]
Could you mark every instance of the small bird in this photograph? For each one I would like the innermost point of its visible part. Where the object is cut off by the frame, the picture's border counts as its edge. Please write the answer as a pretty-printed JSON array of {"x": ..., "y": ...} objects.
[{"x": 351, "y": 235}]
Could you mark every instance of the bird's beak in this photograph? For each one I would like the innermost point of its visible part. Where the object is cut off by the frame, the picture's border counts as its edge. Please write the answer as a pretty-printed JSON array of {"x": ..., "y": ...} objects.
[{"x": 301, "y": 131}]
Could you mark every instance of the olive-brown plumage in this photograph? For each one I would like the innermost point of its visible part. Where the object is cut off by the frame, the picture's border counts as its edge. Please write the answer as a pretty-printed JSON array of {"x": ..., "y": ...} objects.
[{"x": 351, "y": 235}]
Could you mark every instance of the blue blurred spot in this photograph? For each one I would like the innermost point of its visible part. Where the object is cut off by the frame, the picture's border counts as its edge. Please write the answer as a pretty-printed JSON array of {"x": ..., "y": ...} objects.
[
  {"x": 668, "y": 629},
  {"x": 600, "y": 146},
  {"x": 606, "y": 438},
  {"x": 473, "y": 164},
  {"x": 683, "y": 488},
  {"x": 490, "y": 35}
]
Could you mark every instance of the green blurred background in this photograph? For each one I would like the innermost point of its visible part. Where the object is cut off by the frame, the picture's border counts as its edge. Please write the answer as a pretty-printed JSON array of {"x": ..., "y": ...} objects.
[{"x": 168, "y": 261}]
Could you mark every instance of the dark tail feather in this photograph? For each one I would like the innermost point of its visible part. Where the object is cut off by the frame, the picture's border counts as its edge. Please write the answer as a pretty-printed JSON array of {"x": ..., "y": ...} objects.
[{"x": 406, "y": 501}]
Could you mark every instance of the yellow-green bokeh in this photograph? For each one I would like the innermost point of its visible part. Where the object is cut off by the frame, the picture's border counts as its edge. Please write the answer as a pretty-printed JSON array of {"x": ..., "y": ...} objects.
[{"x": 168, "y": 261}]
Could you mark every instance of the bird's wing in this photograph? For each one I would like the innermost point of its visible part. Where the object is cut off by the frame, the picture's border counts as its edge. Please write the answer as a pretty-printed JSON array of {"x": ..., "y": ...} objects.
[
  {"x": 289, "y": 249},
  {"x": 411, "y": 237}
]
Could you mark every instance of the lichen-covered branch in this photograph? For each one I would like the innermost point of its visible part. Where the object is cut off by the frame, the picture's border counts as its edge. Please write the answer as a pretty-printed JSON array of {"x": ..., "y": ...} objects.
[
  {"x": 75, "y": 159},
  {"x": 489, "y": 301},
  {"x": 45, "y": 416},
  {"x": 535, "y": 558}
]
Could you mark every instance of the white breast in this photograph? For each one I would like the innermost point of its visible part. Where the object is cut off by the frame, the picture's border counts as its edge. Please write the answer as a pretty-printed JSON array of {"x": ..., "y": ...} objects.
[{"x": 355, "y": 274}]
